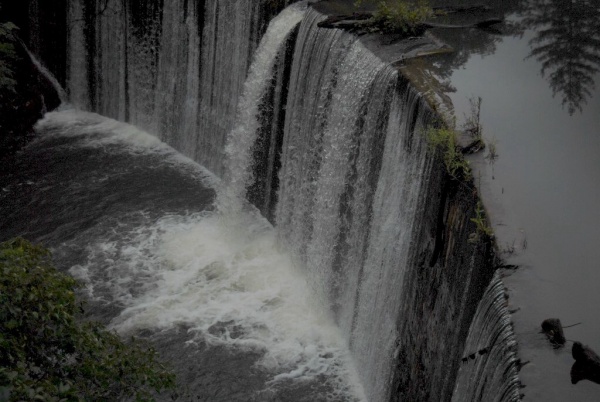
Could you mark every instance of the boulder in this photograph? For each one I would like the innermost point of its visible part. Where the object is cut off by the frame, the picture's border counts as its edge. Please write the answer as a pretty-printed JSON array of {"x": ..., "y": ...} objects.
[
  {"x": 554, "y": 331},
  {"x": 586, "y": 366}
]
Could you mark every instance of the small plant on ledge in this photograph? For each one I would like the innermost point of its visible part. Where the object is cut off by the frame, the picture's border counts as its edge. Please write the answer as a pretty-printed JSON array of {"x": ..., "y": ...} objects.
[
  {"x": 444, "y": 139},
  {"x": 407, "y": 18},
  {"x": 398, "y": 16},
  {"x": 473, "y": 128},
  {"x": 472, "y": 125},
  {"x": 483, "y": 229}
]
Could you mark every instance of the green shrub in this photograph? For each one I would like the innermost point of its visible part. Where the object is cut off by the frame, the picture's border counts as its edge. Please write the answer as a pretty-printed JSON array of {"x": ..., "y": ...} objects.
[
  {"x": 400, "y": 15},
  {"x": 483, "y": 229},
  {"x": 443, "y": 139},
  {"x": 46, "y": 354}
]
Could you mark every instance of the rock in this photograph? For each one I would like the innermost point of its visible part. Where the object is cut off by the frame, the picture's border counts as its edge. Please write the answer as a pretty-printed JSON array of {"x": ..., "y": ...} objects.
[
  {"x": 226, "y": 329},
  {"x": 481, "y": 24},
  {"x": 586, "y": 366},
  {"x": 459, "y": 9},
  {"x": 19, "y": 111},
  {"x": 554, "y": 331},
  {"x": 473, "y": 147},
  {"x": 345, "y": 21}
]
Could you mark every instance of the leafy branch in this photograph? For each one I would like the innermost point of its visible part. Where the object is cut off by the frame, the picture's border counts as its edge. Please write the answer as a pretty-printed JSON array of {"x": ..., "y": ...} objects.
[
  {"x": 444, "y": 139},
  {"x": 46, "y": 354},
  {"x": 399, "y": 16},
  {"x": 483, "y": 229}
]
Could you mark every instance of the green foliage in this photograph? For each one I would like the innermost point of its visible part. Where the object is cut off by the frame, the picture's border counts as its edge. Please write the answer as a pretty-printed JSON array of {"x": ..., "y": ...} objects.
[
  {"x": 401, "y": 15},
  {"x": 46, "y": 354},
  {"x": 8, "y": 57},
  {"x": 443, "y": 139},
  {"x": 483, "y": 229}
]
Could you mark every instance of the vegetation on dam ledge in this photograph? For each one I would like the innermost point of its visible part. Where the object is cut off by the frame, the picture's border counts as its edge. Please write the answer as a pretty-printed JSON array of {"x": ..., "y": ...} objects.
[
  {"x": 443, "y": 137},
  {"x": 47, "y": 354},
  {"x": 400, "y": 16},
  {"x": 407, "y": 18},
  {"x": 390, "y": 16}
]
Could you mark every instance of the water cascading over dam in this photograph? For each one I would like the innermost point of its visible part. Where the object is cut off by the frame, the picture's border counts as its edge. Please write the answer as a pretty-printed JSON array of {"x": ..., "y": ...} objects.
[
  {"x": 349, "y": 183},
  {"x": 161, "y": 65}
]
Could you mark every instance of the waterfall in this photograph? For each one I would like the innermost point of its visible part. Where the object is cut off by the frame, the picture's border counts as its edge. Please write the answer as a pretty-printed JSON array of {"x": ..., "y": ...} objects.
[
  {"x": 175, "y": 69},
  {"x": 328, "y": 139},
  {"x": 62, "y": 94},
  {"x": 350, "y": 174},
  {"x": 243, "y": 136},
  {"x": 490, "y": 366},
  {"x": 229, "y": 38},
  {"x": 386, "y": 255},
  {"x": 77, "y": 55}
]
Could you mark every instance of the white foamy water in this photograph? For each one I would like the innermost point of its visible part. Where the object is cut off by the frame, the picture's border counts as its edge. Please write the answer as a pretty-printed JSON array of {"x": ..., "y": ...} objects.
[{"x": 229, "y": 285}]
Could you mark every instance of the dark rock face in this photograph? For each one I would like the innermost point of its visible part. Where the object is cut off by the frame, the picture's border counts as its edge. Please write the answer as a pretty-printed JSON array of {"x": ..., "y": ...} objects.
[
  {"x": 586, "y": 366},
  {"x": 34, "y": 94},
  {"x": 43, "y": 27},
  {"x": 554, "y": 331}
]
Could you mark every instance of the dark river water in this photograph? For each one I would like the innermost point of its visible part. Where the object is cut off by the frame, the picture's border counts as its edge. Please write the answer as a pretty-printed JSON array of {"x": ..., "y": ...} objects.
[
  {"x": 541, "y": 111},
  {"x": 134, "y": 222}
]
